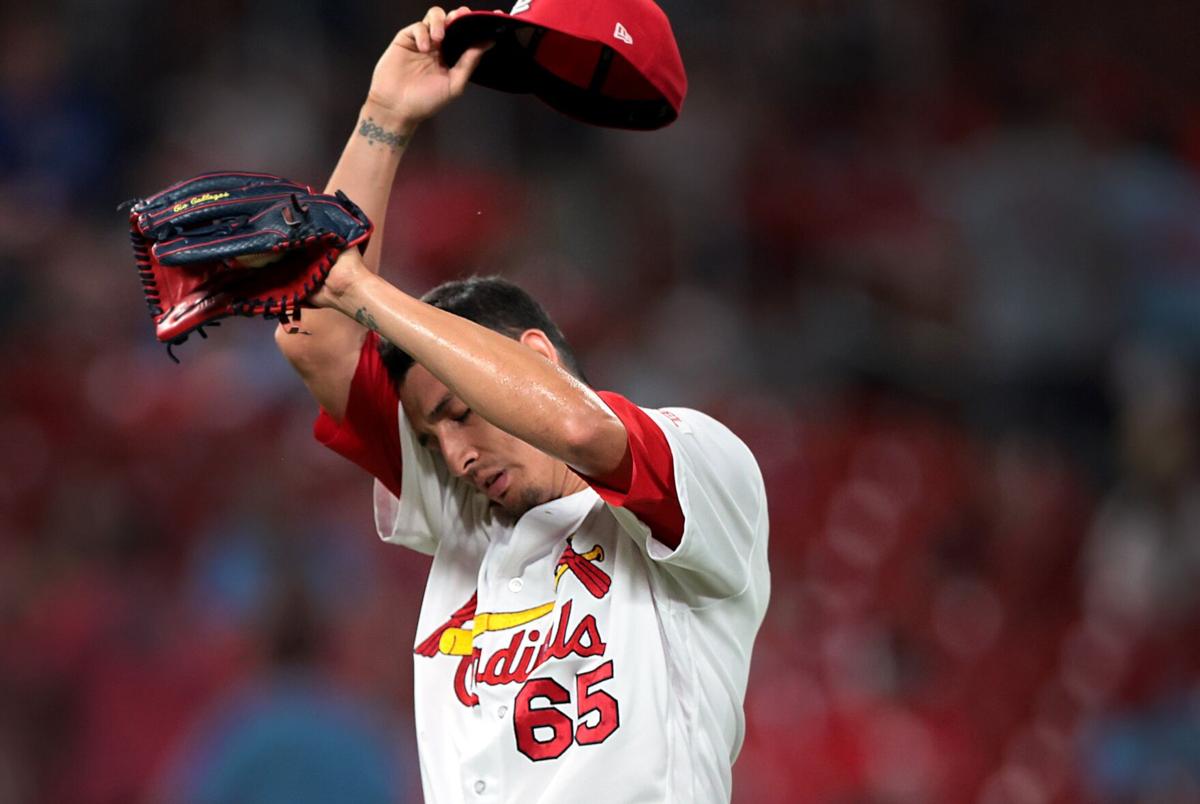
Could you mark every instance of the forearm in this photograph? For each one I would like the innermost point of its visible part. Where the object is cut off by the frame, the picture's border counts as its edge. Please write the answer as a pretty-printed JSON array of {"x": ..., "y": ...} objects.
[
  {"x": 367, "y": 168},
  {"x": 365, "y": 173},
  {"x": 507, "y": 383}
]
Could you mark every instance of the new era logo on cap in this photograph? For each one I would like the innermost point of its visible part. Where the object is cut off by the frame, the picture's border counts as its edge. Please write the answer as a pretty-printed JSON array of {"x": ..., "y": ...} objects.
[
  {"x": 521, "y": 5},
  {"x": 620, "y": 33}
]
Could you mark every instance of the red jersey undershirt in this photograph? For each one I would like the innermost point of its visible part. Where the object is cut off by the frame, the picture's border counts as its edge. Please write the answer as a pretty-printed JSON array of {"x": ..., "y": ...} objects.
[{"x": 369, "y": 436}]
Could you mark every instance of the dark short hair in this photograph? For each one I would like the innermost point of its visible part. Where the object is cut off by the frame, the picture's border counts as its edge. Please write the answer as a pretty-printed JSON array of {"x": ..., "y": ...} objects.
[{"x": 491, "y": 302}]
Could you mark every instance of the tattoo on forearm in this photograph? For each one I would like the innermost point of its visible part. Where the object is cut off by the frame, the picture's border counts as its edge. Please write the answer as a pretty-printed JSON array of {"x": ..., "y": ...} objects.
[
  {"x": 364, "y": 317},
  {"x": 377, "y": 133}
]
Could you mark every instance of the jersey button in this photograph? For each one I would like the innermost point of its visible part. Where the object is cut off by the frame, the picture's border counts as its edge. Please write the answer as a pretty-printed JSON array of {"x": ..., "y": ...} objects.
[
  {"x": 501, "y": 712},
  {"x": 515, "y": 585},
  {"x": 480, "y": 786}
]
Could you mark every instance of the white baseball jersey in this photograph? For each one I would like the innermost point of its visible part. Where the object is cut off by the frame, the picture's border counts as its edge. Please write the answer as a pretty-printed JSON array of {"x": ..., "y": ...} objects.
[{"x": 572, "y": 656}]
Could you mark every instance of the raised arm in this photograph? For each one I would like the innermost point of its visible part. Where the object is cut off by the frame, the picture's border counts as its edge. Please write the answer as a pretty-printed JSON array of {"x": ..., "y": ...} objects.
[
  {"x": 517, "y": 385},
  {"x": 409, "y": 85}
]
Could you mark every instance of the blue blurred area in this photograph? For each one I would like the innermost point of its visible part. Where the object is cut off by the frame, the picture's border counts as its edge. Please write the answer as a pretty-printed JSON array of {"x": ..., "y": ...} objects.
[
  {"x": 937, "y": 262},
  {"x": 291, "y": 745},
  {"x": 290, "y": 736},
  {"x": 1152, "y": 752}
]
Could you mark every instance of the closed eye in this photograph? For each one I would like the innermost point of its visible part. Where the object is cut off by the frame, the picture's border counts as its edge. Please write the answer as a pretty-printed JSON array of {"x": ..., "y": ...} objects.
[{"x": 462, "y": 417}]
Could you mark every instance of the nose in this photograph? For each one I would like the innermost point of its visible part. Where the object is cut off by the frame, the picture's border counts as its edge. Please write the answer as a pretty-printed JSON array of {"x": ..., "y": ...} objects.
[{"x": 458, "y": 452}]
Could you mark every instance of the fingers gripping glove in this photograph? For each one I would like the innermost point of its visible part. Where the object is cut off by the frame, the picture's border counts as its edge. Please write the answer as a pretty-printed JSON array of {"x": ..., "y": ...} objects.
[{"x": 236, "y": 243}]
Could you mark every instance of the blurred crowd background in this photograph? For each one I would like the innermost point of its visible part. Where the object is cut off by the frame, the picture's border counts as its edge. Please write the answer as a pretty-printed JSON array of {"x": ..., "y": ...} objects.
[{"x": 936, "y": 261}]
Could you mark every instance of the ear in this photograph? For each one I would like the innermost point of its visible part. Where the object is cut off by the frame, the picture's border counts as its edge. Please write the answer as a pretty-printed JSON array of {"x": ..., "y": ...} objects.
[{"x": 538, "y": 341}]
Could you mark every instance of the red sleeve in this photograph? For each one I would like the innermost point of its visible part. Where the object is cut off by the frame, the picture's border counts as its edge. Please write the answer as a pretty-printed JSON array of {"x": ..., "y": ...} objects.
[
  {"x": 644, "y": 483},
  {"x": 370, "y": 433}
]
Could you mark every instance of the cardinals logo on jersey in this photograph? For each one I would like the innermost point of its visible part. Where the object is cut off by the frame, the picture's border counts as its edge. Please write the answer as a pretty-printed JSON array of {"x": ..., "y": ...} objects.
[{"x": 528, "y": 649}]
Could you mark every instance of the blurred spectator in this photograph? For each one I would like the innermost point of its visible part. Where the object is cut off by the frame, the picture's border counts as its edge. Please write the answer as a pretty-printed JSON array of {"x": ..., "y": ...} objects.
[{"x": 287, "y": 738}]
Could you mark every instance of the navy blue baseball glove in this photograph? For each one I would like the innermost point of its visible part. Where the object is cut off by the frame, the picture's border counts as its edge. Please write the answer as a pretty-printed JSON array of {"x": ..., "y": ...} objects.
[{"x": 237, "y": 243}]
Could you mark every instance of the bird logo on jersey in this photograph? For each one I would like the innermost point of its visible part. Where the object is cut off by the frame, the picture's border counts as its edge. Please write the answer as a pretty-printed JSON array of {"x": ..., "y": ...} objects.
[
  {"x": 527, "y": 650},
  {"x": 583, "y": 566}
]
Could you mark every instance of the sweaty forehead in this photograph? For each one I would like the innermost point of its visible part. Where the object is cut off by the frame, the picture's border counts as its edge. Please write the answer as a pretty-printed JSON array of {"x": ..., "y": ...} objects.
[{"x": 419, "y": 394}]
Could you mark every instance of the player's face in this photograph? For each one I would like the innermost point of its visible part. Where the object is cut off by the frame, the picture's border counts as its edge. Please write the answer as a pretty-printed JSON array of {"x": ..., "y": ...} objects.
[{"x": 512, "y": 474}]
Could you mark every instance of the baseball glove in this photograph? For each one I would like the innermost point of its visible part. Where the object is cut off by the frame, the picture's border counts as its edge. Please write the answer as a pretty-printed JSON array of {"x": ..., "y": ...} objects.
[{"x": 236, "y": 243}]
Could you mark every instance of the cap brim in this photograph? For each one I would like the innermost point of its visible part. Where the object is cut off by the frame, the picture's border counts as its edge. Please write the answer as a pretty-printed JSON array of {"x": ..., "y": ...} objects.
[{"x": 510, "y": 66}]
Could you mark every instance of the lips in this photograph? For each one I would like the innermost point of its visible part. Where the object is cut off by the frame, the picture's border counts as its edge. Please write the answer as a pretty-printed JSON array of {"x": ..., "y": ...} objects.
[{"x": 495, "y": 485}]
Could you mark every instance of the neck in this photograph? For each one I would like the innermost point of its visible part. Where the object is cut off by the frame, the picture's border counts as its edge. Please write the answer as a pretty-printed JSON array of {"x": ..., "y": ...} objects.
[{"x": 569, "y": 482}]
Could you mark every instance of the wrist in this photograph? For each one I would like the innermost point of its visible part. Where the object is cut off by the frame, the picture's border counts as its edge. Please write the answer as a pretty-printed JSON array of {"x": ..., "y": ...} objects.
[
  {"x": 344, "y": 278},
  {"x": 355, "y": 296},
  {"x": 388, "y": 118}
]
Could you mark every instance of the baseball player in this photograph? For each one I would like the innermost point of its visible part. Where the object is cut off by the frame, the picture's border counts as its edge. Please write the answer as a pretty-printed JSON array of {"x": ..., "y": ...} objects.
[{"x": 599, "y": 569}]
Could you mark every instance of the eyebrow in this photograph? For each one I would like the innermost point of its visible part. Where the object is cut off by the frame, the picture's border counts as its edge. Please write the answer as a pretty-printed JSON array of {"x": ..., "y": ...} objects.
[
  {"x": 423, "y": 438},
  {"x": 439, "y": 407}
]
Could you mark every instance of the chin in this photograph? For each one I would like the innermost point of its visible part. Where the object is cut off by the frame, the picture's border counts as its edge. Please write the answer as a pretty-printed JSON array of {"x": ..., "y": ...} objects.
[{"x": 518, "y": 501}]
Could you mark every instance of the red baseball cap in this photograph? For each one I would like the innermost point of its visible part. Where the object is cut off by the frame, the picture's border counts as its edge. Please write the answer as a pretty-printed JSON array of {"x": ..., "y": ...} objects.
[{"x": 607, "y": 62}]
